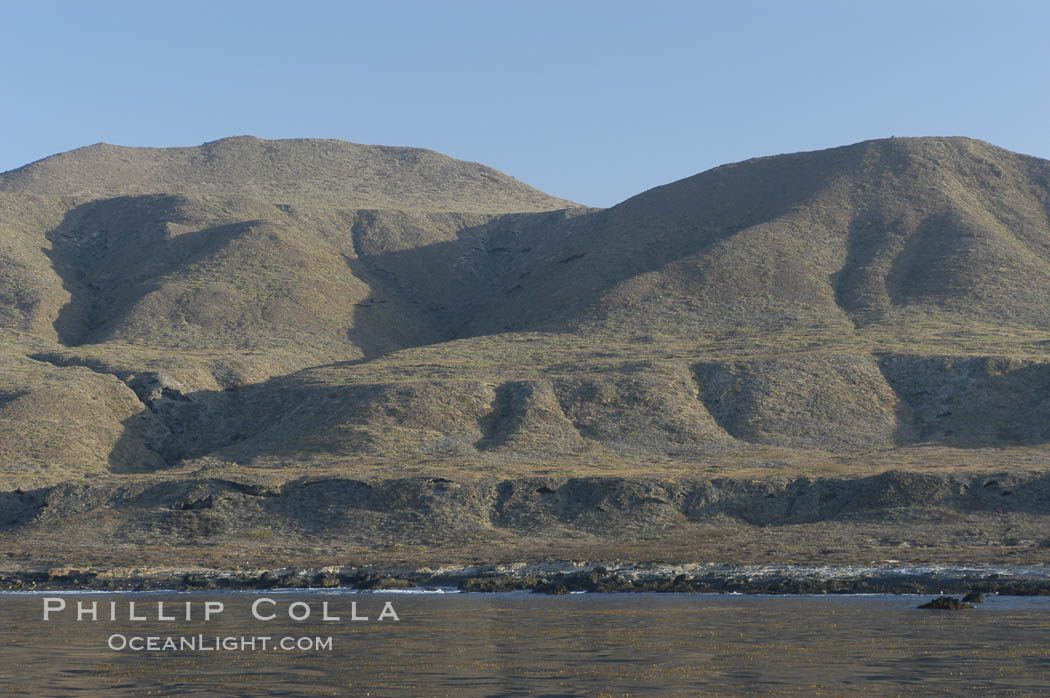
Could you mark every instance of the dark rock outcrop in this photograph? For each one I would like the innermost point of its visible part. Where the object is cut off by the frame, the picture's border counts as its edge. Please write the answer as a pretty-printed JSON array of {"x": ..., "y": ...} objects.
[{"x": 946, "y": 603}]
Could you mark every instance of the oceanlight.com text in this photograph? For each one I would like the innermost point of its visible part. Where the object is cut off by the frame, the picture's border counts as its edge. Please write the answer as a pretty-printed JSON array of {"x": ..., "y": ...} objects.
[{"x": 217, "y": 643}]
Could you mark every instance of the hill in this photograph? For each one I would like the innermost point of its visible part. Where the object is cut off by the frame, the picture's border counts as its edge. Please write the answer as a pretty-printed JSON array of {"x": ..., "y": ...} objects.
[
  {"x": 266, "y": 311},
  {"x": 237, "y": 244},
  {"x": 881, "y": 233}
]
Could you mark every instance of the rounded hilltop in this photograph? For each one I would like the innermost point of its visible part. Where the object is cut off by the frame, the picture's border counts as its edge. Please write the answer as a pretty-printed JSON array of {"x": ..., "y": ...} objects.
[{"x": 299, "y": 171}]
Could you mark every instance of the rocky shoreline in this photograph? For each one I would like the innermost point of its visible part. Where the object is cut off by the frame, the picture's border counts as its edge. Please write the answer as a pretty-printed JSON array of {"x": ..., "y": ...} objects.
[{"x": 556, "y": 577}]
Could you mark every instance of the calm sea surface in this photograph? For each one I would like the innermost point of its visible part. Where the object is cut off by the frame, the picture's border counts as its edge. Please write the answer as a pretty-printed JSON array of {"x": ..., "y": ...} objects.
[{"x": 525, "y": 644}]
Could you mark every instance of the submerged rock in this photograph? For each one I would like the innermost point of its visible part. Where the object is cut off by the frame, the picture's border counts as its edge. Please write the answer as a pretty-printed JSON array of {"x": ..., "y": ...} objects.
[
  {"x": 974, "y": 597},
  {"x": 946, "y": 603}
]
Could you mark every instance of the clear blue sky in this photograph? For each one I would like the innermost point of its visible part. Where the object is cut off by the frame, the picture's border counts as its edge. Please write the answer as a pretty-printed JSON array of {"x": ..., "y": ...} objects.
[{"x": 593, "y": 101}]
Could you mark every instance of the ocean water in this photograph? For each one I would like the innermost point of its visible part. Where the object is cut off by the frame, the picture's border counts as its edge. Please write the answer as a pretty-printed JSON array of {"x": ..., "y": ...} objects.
[{"x": 520, "y": 644}]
